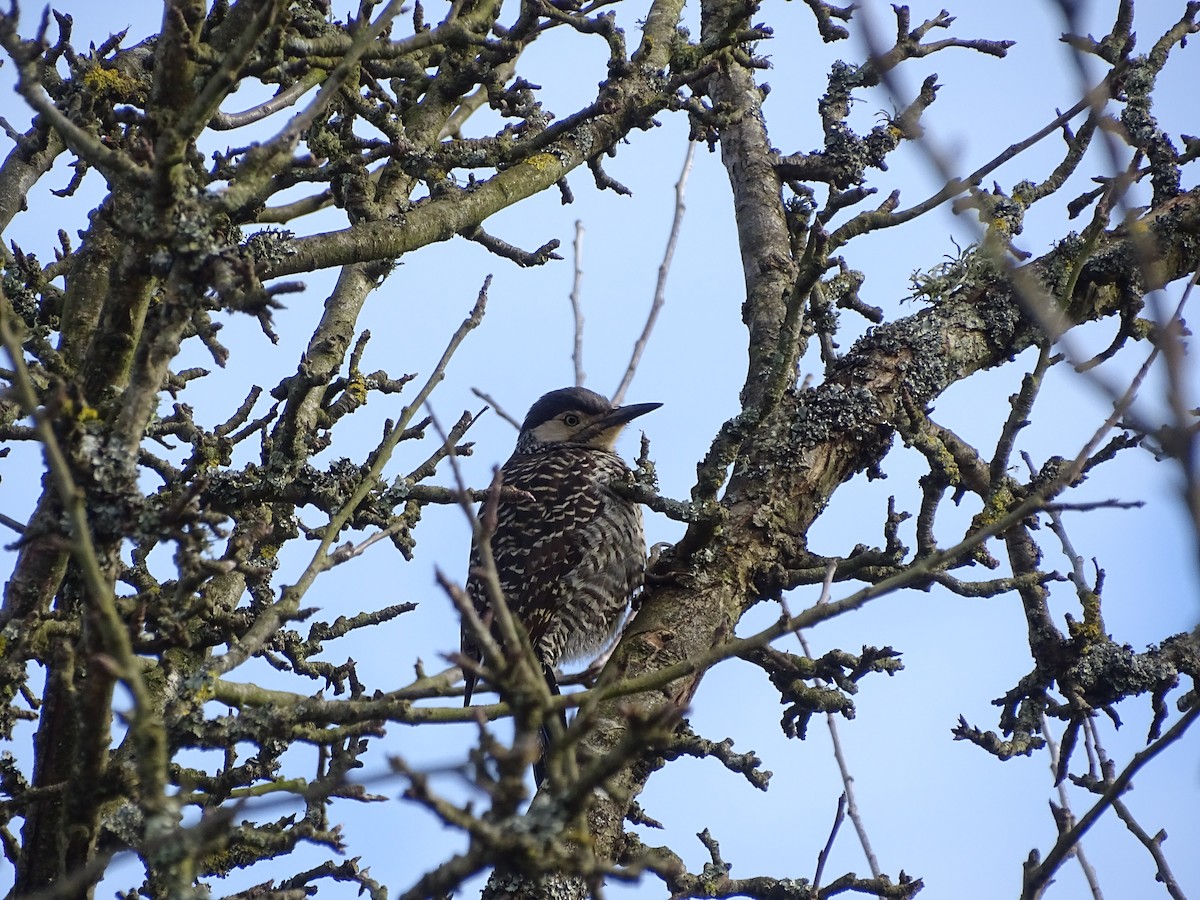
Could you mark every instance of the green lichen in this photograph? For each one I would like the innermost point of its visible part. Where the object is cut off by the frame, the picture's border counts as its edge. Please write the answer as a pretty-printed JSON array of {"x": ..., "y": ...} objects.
[{"x": 961, "y": 272}]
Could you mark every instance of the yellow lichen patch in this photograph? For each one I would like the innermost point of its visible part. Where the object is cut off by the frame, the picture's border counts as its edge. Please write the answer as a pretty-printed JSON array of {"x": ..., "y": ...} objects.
[
  {"x": 204, "y": 692},
  {"x": 1142, "y": 328},
  {"x": 1092, "y": 627},
  {"x": 1001, "y": 227},
  {"x": 357, "y": 388},
  {"x": 543, "y": 161},
  {"x": 108, "y": 81},
  {"x": 998, "y": 505}
]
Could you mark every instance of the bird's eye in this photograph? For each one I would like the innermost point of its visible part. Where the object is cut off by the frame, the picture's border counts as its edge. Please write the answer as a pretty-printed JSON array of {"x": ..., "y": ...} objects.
[{"x": 571, "y": 420}]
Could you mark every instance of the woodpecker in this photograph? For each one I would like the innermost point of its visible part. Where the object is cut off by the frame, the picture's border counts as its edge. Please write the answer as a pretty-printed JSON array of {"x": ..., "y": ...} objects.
[{"x": 569, "y": 551}]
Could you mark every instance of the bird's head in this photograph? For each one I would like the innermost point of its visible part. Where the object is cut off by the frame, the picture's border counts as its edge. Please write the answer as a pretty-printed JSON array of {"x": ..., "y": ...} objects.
[{"x": 578, "y": 417}]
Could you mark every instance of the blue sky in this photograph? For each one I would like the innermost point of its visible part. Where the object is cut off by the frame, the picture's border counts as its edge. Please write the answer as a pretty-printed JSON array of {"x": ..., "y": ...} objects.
[{"x": 936, "y": 808}]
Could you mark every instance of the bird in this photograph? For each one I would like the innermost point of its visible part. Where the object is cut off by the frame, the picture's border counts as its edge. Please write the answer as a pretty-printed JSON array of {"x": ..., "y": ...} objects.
[{"x": 569, "y": 550}]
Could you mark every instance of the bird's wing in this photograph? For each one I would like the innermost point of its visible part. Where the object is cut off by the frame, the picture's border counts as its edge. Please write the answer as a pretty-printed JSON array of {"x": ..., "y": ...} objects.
[
  {"x": 539, "y": 542},
  {"x": 542, "y": 537}
]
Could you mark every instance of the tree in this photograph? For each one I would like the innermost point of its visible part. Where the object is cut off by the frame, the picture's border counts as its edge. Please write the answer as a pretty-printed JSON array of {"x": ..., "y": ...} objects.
[{"x": 169, "y": 678}]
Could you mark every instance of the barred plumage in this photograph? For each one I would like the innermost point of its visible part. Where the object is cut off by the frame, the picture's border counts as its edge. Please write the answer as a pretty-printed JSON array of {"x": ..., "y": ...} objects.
[{"x": 570, "y": 555}]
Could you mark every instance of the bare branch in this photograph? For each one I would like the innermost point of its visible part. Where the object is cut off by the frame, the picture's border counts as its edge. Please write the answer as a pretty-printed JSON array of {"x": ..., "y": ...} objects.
[
  {"x": 1037, "y": 874},
  {"x": 577, "y": 306},
  {"x": 660, "y": 286}
]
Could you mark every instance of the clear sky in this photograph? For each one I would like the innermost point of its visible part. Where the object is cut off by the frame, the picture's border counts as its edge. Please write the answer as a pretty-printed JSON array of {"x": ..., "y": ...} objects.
[{"x": 941, "y": 810}]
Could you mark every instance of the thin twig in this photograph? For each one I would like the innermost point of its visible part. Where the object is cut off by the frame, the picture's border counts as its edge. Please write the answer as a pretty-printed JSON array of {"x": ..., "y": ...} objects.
[
  {"x": 848, "y": 796},
  {"x": 577, "y": 304},
  {"x": 10, "y": 522},
  {"x": 497, "y": 408},
  {"x": 524, "y": 258},
  {"x": 664, "y": 269},
  {"x": 471, "y": 619},
  {"x": 823, "y": 856},
  {"x": 1152, "y": 843},
  {"x": 1063, "y": 814},
  {"x": 1180, "y": 438},
  {"x": 226, "y": 121},
  {"x": 1037, "y": 876}
]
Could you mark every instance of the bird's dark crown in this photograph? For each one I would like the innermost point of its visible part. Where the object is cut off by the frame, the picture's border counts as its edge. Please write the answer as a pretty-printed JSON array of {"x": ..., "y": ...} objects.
[
  {"x": 571, "y": 399},
  {"x": 576, "y": 417}
]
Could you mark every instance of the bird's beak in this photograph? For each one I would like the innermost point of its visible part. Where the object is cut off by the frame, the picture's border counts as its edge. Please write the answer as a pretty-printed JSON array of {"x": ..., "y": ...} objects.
[
  {"x": 623, "y": 415},
  {"x": 605, "y": 430}
]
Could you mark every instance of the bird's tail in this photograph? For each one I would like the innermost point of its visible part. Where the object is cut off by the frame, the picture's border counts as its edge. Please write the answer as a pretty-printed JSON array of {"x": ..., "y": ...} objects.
[
  {"x": 469, "y": 677},
  {"x": 539, "y": 767}
]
